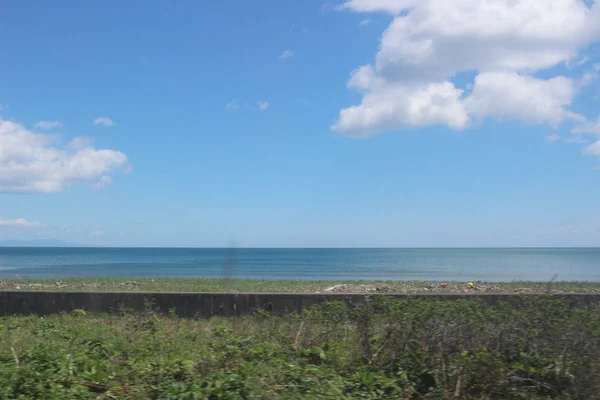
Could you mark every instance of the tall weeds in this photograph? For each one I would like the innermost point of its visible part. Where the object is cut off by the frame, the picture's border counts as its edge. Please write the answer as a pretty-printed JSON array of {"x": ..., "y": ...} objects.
[{"x": 540, "y": 348}]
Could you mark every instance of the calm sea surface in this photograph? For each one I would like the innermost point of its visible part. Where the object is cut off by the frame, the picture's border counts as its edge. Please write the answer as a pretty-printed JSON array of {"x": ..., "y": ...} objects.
[{"x": 498, "y": 264}]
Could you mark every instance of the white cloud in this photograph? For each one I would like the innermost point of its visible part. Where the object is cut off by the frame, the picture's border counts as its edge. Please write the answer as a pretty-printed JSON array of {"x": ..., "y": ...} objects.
[
  {"x": 430, "y": 41},
  {"x": 48, "y": 124},
  {"x": 263, "y": 105},
  {"x": 575, "y": 117},
  {"x": 403, "y": 105},
  {"x": 97, "y": 232},
  {"x": 576, "y": 139},
  {"x": 20, "y": 222},
  {"x": 510, "y": 96},
  {"x": 286, "y": 54},
  {"x": 36, "y": 163},
  {"x": 104, "y": 121},
  {"x": 593, "y": 149},
  {"x": 103, "y": 182},
  {"x": 364, "y": 22},
  {"x": 589, "y": 76},
  {"x": 81, "y": 142},
  {"x": 389, "y": 6},
  {"x": 554, "y": 137},
  {"x": 232, "y": 106},
  {"x": 590, "y": 127}
]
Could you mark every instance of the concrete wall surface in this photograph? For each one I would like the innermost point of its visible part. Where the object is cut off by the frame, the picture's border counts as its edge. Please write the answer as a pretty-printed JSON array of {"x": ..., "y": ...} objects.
[{"x": 210, "y": 304}]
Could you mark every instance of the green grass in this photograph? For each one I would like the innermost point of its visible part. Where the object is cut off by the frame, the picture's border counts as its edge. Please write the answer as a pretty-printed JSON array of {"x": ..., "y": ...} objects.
[
  {"x": 540, "y": 349},
  {"x": 287, "y": 286}
]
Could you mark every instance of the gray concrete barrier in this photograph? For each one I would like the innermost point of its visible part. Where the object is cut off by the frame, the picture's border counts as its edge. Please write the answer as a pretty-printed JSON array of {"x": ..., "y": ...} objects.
[{"x": 225, "y": 304}]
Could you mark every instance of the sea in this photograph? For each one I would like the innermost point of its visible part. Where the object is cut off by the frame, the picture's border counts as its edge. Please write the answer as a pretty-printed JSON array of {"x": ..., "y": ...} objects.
[{"x": 486, "y": 264}]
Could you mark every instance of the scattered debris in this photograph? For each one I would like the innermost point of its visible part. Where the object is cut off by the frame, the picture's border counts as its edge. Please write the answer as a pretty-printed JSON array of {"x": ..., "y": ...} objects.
[
  {"x": 466, "y": 288},
  {"x": 336, "y": 288},
  {"x": 444, "y": 287},
  {"x": 132, "y": 283},
  {"x": 523, "y": 290},
  {"x": 364, "y": 288}
]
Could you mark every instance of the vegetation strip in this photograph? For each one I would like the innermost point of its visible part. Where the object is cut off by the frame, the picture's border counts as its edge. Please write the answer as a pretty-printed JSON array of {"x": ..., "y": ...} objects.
[{"x": 383, "y": 349}]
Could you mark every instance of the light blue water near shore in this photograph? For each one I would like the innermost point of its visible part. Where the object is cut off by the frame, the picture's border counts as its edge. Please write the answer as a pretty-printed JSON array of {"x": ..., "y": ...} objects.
[{"x": 497, "y": 264}]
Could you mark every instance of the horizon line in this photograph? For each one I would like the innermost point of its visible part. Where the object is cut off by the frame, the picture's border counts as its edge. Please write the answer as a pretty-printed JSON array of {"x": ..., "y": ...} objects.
[{"x": 74, "y": 246}]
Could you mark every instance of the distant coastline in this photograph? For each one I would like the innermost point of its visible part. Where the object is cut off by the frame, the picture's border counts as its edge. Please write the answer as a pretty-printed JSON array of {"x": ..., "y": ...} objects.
[{"x": 40, "y": 243}]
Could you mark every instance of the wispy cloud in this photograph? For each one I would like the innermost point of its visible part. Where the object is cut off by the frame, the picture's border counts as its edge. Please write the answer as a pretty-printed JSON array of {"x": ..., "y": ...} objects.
[
  {"x": 589, "y": 76},
  {"x": 590, "y": 127},
  {"x": 263, "y": 105},
  {"x": 576, "y": 139},
  {"x": 81, "y": 142},
  {"x": 48, "y": 124},
  {"x": 593, "y": 149},
  {"x": 97, "y": 232},
  {"x": 573, "y": 116},
  {"x": 232, "y": 106},
  {"x": 552, "y": 138},
  {"x": 104, "y": 121},
  {"x": 20, "y": 222},
  {"x": 568, "y": 229},
  {"x": 364, "y": 22},
  {"x": 103, "y": 182},
  {"x": 286, "y": 54}
]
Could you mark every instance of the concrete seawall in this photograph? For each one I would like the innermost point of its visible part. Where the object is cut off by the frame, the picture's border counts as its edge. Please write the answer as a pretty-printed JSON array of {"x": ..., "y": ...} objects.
[{"x": 225, "y": 304}]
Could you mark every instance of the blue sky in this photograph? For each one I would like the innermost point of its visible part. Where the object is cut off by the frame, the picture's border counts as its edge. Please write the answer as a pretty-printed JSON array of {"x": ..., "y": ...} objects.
[{"x": 387, "y": 123}]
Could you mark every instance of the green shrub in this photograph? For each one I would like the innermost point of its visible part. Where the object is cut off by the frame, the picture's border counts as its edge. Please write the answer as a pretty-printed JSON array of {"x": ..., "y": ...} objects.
[{"x": 533, "y": 348}]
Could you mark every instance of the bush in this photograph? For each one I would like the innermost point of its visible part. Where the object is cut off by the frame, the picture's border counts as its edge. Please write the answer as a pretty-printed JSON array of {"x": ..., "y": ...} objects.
[{"x": 535, "y": 348}]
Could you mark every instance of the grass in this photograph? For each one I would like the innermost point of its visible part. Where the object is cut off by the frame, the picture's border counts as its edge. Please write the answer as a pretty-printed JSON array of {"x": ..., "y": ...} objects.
[
  {"x": 289, "y": 286},
  {"x": 384, "y": 349}
]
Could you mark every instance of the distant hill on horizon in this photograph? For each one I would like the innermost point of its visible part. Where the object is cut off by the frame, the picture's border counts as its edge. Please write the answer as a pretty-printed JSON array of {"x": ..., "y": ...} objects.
[{"x": 38, "y": 243}]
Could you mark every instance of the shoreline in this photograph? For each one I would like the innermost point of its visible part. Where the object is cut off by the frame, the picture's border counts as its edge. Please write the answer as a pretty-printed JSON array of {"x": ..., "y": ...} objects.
[{"x": 224, "y": 285}]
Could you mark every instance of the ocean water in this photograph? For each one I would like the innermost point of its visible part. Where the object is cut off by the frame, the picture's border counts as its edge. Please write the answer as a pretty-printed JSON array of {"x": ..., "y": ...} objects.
[{"x": 497, "y": 264}]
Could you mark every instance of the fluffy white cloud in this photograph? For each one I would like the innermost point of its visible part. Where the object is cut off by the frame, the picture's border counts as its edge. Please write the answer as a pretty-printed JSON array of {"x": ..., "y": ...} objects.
[
  {"x": 519, "y": 97},
  {"x": 504, "y": 41},
  {"x": 104, "y": 121},
  {"x": 36, "y": 163},
  {"x": 402, "y": 105},
  {"x": 48, "y": 124},
  {"x": 263, "y": 105},
  {"x": 364, "y": 22},
  {"x": 554, "y": 137},
  {"x": 286, "y": 54},
  {"x": 20, "y": 222}
]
